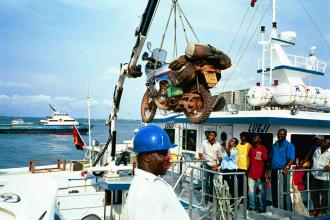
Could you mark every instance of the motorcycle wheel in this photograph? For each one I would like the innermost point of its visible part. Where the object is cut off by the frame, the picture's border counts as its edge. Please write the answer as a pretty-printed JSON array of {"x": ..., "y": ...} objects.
[
  {"x": 202, "y": 107},
  {"x": 148, "y": 107}
]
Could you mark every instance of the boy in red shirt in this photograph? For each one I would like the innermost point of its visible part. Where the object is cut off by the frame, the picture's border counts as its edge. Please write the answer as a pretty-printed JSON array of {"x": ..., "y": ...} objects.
[{"x": 256, "y": 174}]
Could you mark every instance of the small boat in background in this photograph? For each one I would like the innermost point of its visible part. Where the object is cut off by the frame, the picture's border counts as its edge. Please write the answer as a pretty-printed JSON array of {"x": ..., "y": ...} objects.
[
  {"x": 19, "y": 122},
  {"x": 58, "y": 123}
]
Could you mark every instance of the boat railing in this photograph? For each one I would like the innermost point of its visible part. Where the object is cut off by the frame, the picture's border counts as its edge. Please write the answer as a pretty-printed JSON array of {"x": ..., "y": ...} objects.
[
  {"x": 297, "y": 189},
  {"x": 193, "y": 195},
  {"x": 308, "y": 63}
]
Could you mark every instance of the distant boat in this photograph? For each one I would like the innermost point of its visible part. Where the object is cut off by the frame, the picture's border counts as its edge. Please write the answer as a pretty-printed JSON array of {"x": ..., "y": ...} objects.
[
  {"x": 19, "y": 122},
  {"x": 58, "y": 123}
]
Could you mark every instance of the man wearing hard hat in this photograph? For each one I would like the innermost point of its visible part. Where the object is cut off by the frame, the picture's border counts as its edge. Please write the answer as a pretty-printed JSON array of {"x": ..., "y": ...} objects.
[{"x": 150, "y": 196}]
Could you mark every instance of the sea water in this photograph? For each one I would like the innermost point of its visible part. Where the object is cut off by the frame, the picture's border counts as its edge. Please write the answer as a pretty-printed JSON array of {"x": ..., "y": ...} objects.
[{"x": 17, "y": 149}]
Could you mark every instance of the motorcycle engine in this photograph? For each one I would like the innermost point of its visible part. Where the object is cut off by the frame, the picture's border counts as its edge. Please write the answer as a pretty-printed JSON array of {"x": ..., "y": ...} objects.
[{"x": 162, "y": 92}]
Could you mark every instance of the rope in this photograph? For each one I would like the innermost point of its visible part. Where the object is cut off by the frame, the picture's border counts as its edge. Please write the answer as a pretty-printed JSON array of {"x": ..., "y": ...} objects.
[
  {"x": 183, "y": 26},
  {"x": 238, "y": 53},
  {"x": 243, "y": 41},
  {"x": 191, "y": 28},
  {"x": 232, "y": 43},
  {"x": 175, "y": 49},
  {"x": 166, "y": 27},
  {"x": 221, "y": 90},
  {"x": 315, "y": 25}
]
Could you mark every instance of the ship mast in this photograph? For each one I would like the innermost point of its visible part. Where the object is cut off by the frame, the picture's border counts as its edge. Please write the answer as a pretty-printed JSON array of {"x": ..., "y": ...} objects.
[
  {"x": 273, "y": 35},
  {"x": 89, "y": 123}
]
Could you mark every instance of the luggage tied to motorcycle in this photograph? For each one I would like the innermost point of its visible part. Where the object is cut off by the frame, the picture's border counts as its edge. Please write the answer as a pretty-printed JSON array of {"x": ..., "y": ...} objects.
[{"x": 199, "y": 57}]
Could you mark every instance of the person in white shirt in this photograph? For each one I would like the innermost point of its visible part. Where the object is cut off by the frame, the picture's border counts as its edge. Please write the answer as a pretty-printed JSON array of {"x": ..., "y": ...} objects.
[
  {"x": 151, "y": 197},
  {"x": 320, "y": 180},
  {"x": 210, "y": 151}
]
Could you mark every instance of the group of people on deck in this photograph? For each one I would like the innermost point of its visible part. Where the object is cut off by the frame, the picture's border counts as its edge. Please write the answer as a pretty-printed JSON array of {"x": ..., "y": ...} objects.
[
  {"x": 261, "y": 165},
  {"x": 252, "y": 159},
  {"x": 151, "y": 197}
]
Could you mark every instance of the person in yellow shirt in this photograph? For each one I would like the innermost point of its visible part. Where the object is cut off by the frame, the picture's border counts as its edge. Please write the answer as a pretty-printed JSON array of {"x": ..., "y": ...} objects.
[{"x": 243, "y": 160}]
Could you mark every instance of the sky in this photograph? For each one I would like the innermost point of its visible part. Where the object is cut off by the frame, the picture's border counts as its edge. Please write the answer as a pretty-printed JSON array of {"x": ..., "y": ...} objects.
[{"x": 54, "y": 52}]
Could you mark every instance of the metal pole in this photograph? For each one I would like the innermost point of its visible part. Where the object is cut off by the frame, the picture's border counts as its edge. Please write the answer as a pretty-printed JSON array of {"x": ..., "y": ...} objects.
[
  {"x": 89, "y": 119},
  {"x": 91, "y": 153},
  {"x": 111, "y": 202},
  {"x": 235, "y": 195},
  {"x": 245, "y": 197},
  {"x": 328, "y": 191},
  {"x": 287, "y": 191},
  {"x": 308, "y": 191},
  {"x": 191, "y": 192},
  {"x": 263, "y": 56},
  {"x": 274, "y": 10},
  {"x": 105, "y": 205},
  {"x": 279, "y": 189}
]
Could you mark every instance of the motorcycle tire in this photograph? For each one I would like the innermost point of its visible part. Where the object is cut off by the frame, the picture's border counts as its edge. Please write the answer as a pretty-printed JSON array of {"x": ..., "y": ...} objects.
[
  {"x": 149, "y": 105},
  {"x": 206, "y": 101}
]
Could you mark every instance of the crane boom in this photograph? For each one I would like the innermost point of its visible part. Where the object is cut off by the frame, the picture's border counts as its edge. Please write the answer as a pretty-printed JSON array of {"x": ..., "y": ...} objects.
[
  {"x": 134, "y": 70},
  {"x": 131, "y": 70}
]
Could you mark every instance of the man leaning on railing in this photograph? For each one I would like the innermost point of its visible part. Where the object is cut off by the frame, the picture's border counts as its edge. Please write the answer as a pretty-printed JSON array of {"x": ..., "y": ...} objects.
[
  {"x": 281, "y": 158},
  {"x": 320, "y": 179},
  {"x": 210, "y": 150}
]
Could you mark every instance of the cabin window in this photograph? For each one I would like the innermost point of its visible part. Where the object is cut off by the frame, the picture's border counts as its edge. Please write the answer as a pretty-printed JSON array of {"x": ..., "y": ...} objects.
[
  {"x": 171, "y": 134},
  {"x": 68, "y": 120},
  {"x": 189, "y": 139}
]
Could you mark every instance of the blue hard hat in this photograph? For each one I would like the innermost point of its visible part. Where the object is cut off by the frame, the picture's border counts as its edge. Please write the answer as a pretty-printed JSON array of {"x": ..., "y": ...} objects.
[{"x": 151, "y": 138}]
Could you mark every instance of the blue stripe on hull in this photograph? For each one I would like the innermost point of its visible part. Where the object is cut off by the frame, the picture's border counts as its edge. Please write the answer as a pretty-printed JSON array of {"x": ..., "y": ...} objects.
[{"x": 264, "y": 120}]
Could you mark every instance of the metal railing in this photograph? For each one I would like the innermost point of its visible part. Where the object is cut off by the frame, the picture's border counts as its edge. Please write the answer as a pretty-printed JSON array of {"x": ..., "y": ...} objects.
[
  {"x": 308, "y": 63},
  {"x": 285, "y": 195},
  {"x": 198, "y": 209}
]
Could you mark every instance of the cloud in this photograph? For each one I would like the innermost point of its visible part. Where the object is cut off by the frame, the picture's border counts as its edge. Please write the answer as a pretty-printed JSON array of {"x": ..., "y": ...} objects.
[
  {"x": 107, "y": 102},
  {"x": 63, "y": 99},
  {"x": 14, "y": 84},
  {"x": 4, "y": 98},
  {"x": 23, "y": 100},
  {"x": 111, "y": 73},
  {"x": 62, "y": 103}
]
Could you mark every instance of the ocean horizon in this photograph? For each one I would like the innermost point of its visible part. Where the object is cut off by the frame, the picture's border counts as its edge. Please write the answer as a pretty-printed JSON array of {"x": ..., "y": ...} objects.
[{"x": 18, "y": 149}]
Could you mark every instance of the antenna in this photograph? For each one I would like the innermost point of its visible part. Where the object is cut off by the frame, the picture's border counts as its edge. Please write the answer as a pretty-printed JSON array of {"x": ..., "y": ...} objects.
[
  {"x": 312, "y": 50},
  {"x": 273, "y": 34},
  {"x": 89, "y": 119},
  {"x": 263, "y": 55}
]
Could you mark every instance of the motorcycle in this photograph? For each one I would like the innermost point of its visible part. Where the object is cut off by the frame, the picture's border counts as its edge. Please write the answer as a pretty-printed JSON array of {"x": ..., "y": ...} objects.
[{"x": 191, "y": 97}]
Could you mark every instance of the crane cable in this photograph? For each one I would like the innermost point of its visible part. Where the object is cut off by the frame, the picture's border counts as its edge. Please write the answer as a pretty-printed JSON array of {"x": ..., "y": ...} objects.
[
  {"x": 186, "y": 19},
  {"x": 175, "y": 48},
  {"x": 238, "y": 30},
  {"x": 183, "y": 27},
  {"x": 238, "y": 53},
  {"x": 315, "y": 25},
  {"x": 176, "y": 10},
  {"x": 243, "y": 41},
  {"x": 249, "y": 41},
  {"x": 166, "y": 27}
]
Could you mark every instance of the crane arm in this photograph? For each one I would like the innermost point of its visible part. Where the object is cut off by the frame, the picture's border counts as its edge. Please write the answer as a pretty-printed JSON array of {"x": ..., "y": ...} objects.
[
  {"x": 131, "y": 70},
  {"x": 134, "y": 70}
]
